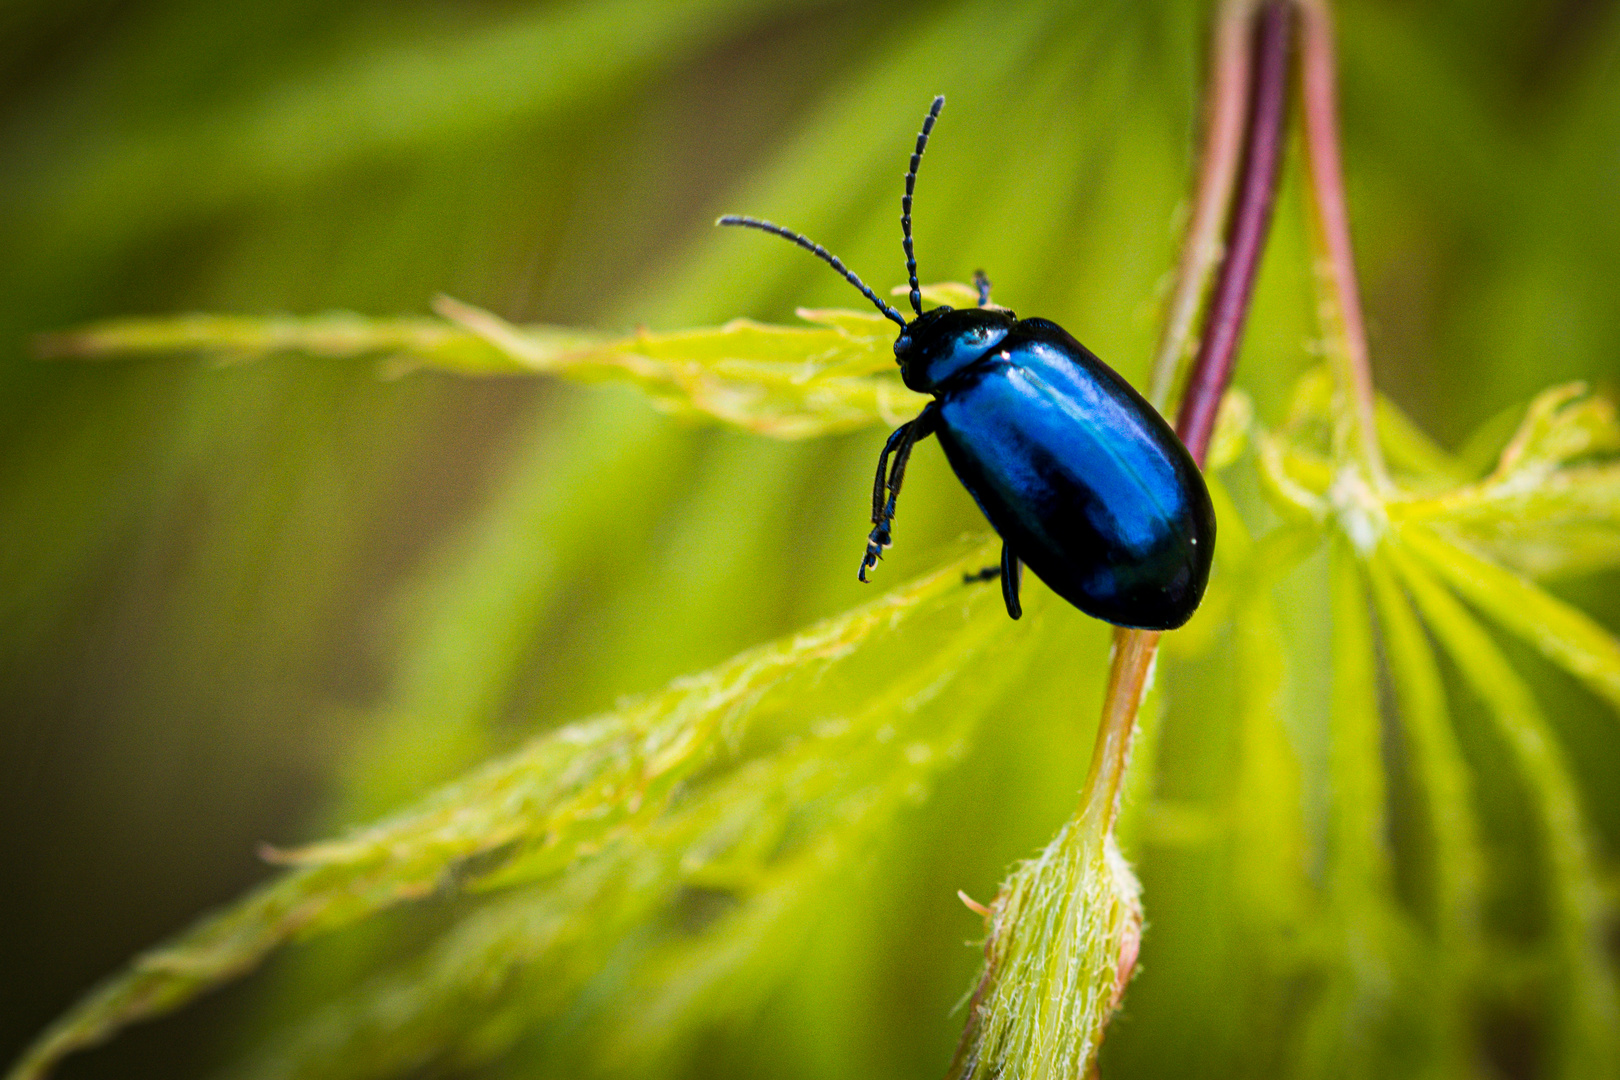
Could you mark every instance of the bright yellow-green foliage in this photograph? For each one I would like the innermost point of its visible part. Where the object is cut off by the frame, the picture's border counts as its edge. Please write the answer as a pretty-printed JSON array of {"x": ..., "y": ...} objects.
[
  {"x": 738, "y": 790},
  {"x": 731, "y": 800},
  {"x": 1371, "y": 810},
  {"x": 771, "y": 380}
]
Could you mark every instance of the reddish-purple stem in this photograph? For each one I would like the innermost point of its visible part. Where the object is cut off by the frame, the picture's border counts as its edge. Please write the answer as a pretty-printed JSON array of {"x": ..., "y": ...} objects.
[
  {"x": 1211, "y": 372},
  {"x": 1251, "y": 220},
  {"x": 1226, "y": 118},
  {"x": 1342, "y": 305},
  {"x": 1266, "y": 69}
]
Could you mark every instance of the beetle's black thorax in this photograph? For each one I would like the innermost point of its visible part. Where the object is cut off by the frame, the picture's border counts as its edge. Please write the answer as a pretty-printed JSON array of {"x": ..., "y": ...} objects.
[{"x": 940, "y": 343}]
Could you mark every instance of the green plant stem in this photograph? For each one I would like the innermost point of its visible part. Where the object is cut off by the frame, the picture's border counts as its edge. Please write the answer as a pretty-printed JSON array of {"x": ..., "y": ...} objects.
[
  {"x": 1267, "y": 73},
  {"x": 1134, "y": 652}
]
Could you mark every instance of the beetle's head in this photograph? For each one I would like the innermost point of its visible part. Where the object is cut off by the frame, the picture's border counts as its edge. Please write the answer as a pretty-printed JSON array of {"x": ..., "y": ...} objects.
[
  {"x": 939, "y": 343},
  {"x": 936, "y": 344}
]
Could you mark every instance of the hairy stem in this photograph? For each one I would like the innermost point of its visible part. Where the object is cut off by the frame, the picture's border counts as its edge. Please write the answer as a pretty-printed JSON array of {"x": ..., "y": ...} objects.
[{"x": 1340, "y": 304}]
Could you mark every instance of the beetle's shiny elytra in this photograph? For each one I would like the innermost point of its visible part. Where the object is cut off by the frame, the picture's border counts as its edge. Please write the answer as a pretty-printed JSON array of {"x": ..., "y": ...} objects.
[{"x": 1080, "y": 477}]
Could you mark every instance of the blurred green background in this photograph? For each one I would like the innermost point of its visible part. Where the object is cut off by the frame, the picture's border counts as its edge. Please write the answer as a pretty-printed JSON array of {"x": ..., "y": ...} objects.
[{"x": 252, "y": 604}]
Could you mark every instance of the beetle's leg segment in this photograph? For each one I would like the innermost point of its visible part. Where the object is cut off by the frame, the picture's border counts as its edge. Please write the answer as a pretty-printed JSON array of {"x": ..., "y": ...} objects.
[
  {"x": 880, "y": 539},
  {"x": 982, "y": 283},
  {"x": 880, "y": 484},
  {"x": 899, "y": 444},
  {"x": 920, "y": 428},
  {"x": 1012, "y": 576},
  {"x": 1011, "y": 572}
]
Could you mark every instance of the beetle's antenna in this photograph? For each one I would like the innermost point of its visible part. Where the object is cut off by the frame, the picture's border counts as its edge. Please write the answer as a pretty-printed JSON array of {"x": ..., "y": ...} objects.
[
  {"x": 905, "y": 200},
  {"x": 826, "y": 256}
]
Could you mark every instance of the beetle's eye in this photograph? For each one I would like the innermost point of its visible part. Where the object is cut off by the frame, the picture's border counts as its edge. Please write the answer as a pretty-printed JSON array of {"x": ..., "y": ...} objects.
[{"x": 902, "y": 343}]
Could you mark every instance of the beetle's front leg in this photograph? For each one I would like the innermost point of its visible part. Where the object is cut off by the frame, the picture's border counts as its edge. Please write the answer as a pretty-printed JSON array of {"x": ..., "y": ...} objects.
[
  {"x": 899, "y": 445},
  {"x": 982, "y": 283}
]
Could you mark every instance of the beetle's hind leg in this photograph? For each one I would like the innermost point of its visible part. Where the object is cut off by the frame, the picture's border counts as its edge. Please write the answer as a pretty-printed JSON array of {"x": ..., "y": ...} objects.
[
  {"x": 1011, "y": 572},
  {"x": 1012, "y": 578},
  {"x": 900, "y": 443},
  {"x": 982, "y": 283}
]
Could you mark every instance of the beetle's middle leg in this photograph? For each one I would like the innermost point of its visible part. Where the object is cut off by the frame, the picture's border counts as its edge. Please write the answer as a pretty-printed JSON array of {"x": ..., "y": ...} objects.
[
  {"x": 899, "y": 445},
  {"x": 982, "y": 283}
]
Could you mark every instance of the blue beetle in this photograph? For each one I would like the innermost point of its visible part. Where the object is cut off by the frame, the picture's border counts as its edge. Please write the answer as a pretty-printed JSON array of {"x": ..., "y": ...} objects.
[{"x": 1080, "y": 477}]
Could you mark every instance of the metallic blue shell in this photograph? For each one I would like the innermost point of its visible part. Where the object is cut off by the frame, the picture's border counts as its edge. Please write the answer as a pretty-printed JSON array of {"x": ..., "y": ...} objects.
[{"x": 1080, "y": 476}]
